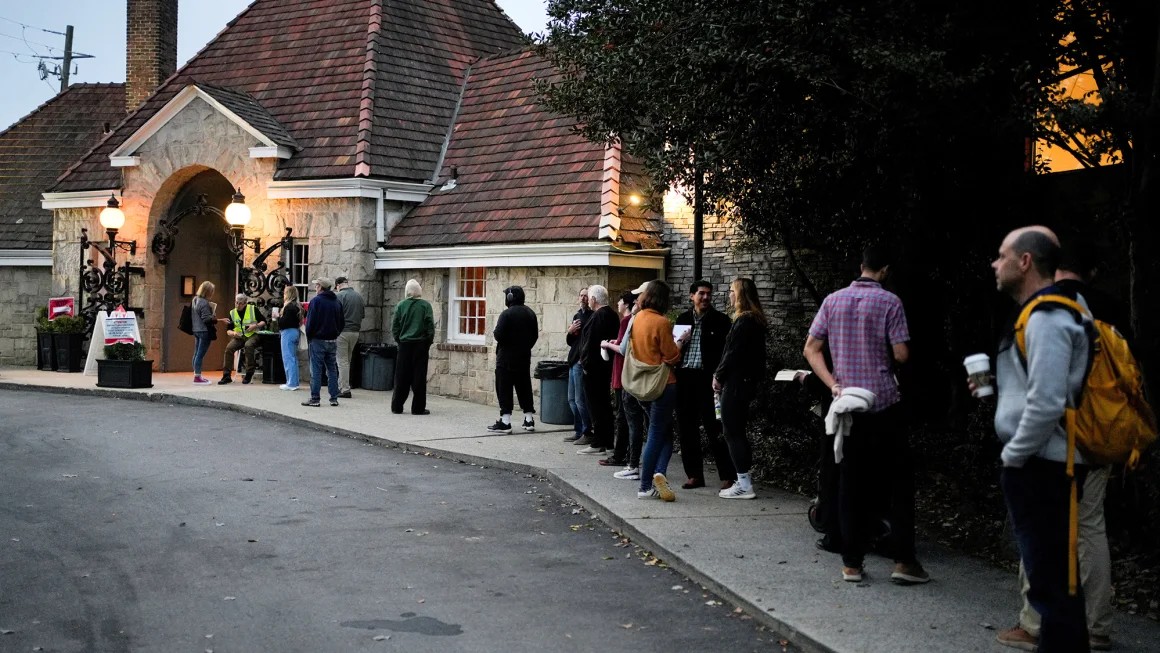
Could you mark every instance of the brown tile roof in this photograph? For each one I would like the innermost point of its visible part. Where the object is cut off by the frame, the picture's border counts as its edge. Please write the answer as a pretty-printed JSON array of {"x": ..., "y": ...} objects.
[
  {"x": 365, "y": 87},
  {"x": 39, "y": 147},
  {"x": 248, "y": 109},
  {"x": 523, "y": 174}
]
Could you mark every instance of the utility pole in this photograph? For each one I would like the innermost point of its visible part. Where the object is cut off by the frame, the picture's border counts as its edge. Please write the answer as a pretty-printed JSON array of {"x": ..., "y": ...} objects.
[{"x": 67, "y": 64}]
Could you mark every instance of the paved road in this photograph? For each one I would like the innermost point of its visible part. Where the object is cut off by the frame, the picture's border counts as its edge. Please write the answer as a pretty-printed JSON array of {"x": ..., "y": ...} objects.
[{"x": 127, "y": 526}]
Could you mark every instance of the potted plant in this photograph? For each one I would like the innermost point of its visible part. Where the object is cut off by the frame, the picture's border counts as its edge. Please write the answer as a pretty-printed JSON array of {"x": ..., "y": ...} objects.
[
  {"x": 69, "y": 339},
  {"x": 124, "y": 366},
  {"x": 45, "y": 349}
]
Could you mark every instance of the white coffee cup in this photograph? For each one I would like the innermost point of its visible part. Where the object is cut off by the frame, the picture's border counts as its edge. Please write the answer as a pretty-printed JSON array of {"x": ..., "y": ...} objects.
[
  {"x": 605, "y": 354},
  {"x": 979, "y": 370}
]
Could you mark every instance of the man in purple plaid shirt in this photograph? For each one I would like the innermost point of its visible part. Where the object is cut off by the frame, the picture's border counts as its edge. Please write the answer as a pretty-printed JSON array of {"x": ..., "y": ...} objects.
[{"x": 865, "y": 328}]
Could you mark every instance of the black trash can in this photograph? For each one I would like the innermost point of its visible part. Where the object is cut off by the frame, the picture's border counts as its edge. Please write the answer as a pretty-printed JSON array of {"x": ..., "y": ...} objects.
[
  {"x": 378, "y": 366},
  {"x": 356, "y": 365},
  {"x": 273, "y": 372},
  {"x": 553, "y": 376}
]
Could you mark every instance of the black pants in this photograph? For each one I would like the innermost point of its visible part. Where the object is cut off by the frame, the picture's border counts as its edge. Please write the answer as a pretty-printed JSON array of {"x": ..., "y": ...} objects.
[
  {"x": 735, "y": 398},
  {"x": 875, "y": 479},
  {"x": 1038, "y": 497},
  {"x": 519, "y": 379},
  {"x": 411, "y": 376},
  {"x": 598, "y": 392},
  {"x": 694, "y": 411}
]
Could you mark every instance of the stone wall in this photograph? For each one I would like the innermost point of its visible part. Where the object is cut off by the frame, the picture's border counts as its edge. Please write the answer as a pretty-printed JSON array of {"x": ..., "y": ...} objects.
[
  {"x": 728, "y": 255},
  {"x": 468, "y": 371},
  {"x": 23, "y": 290}
]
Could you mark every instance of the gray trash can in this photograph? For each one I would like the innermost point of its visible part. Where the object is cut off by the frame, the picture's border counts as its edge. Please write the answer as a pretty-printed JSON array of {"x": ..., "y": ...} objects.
[
  {"x": 553, "y": 376},
  {"x": 378, "y": 367}
]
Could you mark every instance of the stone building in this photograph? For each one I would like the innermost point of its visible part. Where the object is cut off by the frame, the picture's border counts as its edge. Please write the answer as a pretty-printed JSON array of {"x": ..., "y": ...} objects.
[{"x": 33, "y": 153}]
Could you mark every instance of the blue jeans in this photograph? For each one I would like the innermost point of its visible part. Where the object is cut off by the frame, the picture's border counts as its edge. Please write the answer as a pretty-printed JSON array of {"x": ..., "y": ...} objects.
[
  {"x": 200, "y": 347},
  {"x": 658, "y": 448},
  {"x": 577, "y": 400},
  {"x": 1038, "y": 495},
  {"x": 290, "y": 355},
  {"x": 323, "y": 353}
]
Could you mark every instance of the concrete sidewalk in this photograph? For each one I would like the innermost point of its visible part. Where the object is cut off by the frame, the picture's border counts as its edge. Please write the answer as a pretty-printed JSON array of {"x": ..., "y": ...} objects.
[{"x": 758, "y": 554}]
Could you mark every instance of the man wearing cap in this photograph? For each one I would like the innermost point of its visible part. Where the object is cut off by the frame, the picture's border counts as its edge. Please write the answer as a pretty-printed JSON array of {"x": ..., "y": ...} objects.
[
  {"x": 324, "y": 322},
  {"x": 353, "y": 309},
  {"x": 245, "y": 322}
]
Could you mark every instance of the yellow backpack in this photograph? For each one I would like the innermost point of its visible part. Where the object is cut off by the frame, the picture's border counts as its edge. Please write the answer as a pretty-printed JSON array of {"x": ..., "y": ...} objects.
[{"x": 1112, "y": 422}]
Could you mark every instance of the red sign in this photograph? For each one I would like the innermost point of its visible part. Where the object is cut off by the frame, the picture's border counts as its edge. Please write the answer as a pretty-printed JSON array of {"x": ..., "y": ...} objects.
[{"x": 58, "y": 306}]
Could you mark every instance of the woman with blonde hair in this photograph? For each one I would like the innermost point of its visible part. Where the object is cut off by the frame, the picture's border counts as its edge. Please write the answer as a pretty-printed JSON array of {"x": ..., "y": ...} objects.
[
  {"x": 204, "y": 328},
  {"x": 737, "y": 379},
  {"x": 288, "y": 322}
]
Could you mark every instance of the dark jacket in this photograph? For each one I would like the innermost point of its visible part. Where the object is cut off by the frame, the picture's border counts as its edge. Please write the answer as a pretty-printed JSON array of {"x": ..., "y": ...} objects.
[
  {"x": 604, "y": 324},
  {"x": 324, "y": 317},
  {"x": 714, "y": 329},
  {"x": 516, "y": 332},
  {"x": 743, "y": 360},
  {"x": 574, "y": 339},
  {"x": 290, "y": 317},
  {"x": 414, "y": 321}
]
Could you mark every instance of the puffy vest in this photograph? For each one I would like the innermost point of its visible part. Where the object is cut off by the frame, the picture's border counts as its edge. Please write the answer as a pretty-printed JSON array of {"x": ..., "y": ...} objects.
[{"x": 249, "y": 319}]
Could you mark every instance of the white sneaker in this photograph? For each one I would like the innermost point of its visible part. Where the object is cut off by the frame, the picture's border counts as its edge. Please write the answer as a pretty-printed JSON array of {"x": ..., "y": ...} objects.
[
  {"x": 287, "y": 387},
  {"x": 592, "y": 450},
  {"x": 650, "y": 493},
  {"x": 628, "y": 474},
  {"x": 736, "y": 492}
]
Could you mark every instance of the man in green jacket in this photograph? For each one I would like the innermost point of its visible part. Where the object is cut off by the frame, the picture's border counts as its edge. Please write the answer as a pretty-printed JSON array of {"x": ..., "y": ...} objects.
[{"x": 414, "y": 329}]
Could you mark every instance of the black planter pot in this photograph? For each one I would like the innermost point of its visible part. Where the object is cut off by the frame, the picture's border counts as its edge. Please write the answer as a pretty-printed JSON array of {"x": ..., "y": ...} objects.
[
  {"x": 45, "y": 351},
  {"x": 124, "y": 374},
  {"x": 70, "y": 351}
]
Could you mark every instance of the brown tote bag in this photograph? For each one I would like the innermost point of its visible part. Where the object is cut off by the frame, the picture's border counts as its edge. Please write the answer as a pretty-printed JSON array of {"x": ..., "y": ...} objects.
[{"x": 641, "y": 380}]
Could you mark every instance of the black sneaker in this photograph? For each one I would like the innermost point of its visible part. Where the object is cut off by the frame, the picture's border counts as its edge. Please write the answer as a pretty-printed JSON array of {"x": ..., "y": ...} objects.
[
  {"x": 334, "y": 402},
  {"x": 529, "y": 424},
  {"x": 500, "y": 427},
  {"x": 248, "y": 377},
  {"x": 345, "y": 395},
  {"x": 226, "y": 379},
  {"x": 313, "y": 403}
]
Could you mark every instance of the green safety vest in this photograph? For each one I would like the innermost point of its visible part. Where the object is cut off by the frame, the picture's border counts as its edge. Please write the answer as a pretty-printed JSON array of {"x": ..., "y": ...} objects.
[{"x": 250, "y": 318}]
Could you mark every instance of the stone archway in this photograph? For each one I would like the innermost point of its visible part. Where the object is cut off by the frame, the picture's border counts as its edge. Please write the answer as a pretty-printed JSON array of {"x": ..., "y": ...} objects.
[{"x": 200, "y": 251}]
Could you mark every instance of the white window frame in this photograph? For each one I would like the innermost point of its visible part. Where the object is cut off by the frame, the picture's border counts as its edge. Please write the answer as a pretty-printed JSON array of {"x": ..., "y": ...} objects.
[
  {"x": 299, "y": 265},
  {"x": 454, "y": 301}
]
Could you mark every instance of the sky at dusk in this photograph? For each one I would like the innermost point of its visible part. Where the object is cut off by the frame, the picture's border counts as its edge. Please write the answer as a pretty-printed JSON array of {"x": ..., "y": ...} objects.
[{"x": 99, "y": 30}]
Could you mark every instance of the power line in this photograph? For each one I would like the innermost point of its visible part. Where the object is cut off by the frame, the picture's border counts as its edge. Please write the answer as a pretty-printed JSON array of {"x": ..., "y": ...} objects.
[
  {"x": 30, "y": 43},
  {"x": 16, "y": 22}
]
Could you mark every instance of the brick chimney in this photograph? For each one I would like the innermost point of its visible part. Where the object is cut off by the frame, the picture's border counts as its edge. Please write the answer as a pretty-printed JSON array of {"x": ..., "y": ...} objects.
[{"x": 151, "y": 48}]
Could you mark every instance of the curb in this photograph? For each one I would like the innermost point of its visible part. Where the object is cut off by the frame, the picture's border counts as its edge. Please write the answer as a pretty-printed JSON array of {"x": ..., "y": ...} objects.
[{"x": 760, "y": 614}]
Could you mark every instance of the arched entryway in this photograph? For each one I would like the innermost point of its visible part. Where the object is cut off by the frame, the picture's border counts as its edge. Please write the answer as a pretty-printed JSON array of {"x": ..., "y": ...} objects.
[{"x": 200, "y": 253}]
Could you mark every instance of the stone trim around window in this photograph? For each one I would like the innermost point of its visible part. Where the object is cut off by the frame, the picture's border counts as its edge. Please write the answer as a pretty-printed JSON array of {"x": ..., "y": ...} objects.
[{"x": 457, "y": 346}]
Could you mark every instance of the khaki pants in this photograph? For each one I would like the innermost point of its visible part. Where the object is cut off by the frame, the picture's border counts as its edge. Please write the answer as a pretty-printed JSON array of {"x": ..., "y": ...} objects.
[
  {"x": 1095, "y": 563},
  {"x": 347, "y": 341},
  {"x": 249, "y": 361}
]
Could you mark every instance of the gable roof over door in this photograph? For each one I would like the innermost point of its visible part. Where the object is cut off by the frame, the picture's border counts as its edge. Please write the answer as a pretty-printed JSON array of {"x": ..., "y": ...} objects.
[{"x": 366, "y": 88}]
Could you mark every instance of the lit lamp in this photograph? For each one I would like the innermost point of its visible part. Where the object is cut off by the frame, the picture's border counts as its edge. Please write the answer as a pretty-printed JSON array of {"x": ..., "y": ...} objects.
[
  {"x": 112, "y": 219},
  {"x": 238, "y": 216}
]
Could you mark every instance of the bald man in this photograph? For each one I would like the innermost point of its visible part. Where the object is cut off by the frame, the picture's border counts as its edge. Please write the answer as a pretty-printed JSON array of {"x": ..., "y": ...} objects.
[{"x": 1033, "y": 393}]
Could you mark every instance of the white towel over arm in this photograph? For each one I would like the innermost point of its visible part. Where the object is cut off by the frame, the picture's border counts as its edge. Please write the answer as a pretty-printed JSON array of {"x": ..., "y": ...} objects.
[{"x": 841, "y": 415}]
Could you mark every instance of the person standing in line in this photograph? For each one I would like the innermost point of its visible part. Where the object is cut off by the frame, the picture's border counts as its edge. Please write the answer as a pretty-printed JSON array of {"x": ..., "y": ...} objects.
[
  {"x": 865, "y": 328},
  {"x": 516, "y": 332},
  {"x": 414, "y": 329},
  {"x": 289, "y": 334},
  {"x": 629, "y": 413},
  {"x": 652, "y": 344},
  {"x": 738, "y": 377},
  {"x": 1033, "y": 393},
  {"x": 576, "y": 398},
  {"x": 597, "y": 372},
  {"x": 203, "y": 321},
  {"x": 244, "y": 323},
  {"x": 353, "y": 310},
  {"x": 323, "y": 324},
  {"x": 708, "y": 330}
]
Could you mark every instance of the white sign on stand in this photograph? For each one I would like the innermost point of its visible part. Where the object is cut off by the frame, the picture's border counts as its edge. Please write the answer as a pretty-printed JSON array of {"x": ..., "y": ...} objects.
[{"x": 121, "y": 326}]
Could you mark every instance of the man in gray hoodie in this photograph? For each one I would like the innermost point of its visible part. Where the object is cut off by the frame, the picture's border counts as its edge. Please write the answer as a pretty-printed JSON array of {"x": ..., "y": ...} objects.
[{"x": 1033, "y": 393}]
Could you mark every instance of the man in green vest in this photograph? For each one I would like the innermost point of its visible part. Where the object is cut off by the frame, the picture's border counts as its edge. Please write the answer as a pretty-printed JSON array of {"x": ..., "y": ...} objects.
[{"x": 245, "y": 322}]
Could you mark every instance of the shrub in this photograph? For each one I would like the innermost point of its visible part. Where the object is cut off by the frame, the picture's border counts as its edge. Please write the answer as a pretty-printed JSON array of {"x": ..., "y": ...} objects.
[{"x": 125, "y": 351}]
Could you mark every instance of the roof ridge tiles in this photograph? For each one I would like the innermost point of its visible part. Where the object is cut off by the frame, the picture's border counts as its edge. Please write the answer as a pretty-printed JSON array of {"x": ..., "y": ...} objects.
[{"x": 366, "y": 108}]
